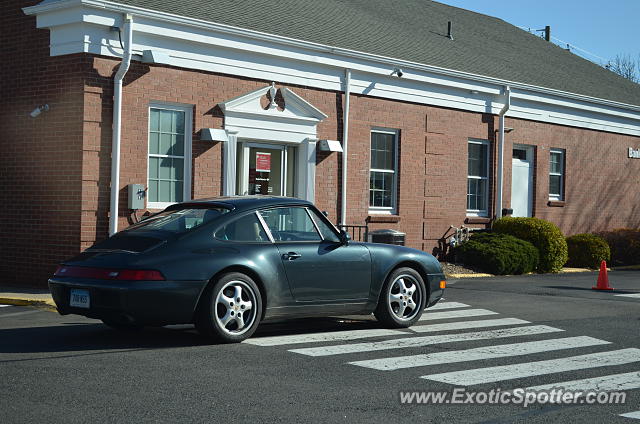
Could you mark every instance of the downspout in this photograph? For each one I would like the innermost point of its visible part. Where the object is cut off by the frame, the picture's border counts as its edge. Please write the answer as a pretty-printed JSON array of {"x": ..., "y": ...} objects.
[
  {"x": 117, "y": 124},
  {"x": 503, "y": 111},
  {"x": 345, "y": 138}
]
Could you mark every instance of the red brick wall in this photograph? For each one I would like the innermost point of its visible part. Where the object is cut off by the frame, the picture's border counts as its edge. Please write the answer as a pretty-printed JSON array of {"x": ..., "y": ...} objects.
[
  {"x": 40, "y": 160},
  {"x": 55, "y": 172}
]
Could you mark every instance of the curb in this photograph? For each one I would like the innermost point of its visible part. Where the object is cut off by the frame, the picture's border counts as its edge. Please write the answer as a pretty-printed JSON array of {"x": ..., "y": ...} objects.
[
  {"x": 478, "y": 275},
  {"x": 47, "y": 304}
]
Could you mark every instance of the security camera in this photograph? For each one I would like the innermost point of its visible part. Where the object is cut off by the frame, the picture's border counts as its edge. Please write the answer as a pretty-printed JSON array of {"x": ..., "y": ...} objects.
[
  {"x": 398, "y": 72},
  {"x": 38, "y": 110}
]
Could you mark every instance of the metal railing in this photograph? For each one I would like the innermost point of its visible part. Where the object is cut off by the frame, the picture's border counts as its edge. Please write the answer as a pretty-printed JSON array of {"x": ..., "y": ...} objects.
[{"x": 357, "y": 232}]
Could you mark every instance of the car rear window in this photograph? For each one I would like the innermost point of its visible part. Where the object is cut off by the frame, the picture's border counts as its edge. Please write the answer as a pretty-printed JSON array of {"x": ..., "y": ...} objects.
[{"x": 178, "y": 221}]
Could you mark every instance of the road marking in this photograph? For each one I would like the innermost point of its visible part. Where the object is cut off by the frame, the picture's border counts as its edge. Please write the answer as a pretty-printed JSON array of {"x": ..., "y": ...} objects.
[
  {"x": 322, "y": 337},
  {"x": 459, "y": 325},
  {"x": 510, "y": 372},
  {"x": 424, "y": 341},
  {"x": 628, "y": 295},
  {"x": 447, "y": 305},
  {"x": 635, "y": 415},
  {"x": 14, "y": 314},
  {"x": 480, "y": 353},
  {"x": 455, "y": 314},
  {"x": 606, "y": 383},
  {"x": 4, "y": 306}
]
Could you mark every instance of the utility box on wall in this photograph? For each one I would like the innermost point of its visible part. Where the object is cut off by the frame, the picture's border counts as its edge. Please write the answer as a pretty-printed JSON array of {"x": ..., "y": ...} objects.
[{"x": 137, "y": 194}]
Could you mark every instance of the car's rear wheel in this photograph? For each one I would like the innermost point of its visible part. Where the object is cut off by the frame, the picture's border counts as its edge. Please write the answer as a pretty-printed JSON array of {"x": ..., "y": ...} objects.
[
  {"x": 230, "y": 310},
  {"x": 402, "y": 299}
]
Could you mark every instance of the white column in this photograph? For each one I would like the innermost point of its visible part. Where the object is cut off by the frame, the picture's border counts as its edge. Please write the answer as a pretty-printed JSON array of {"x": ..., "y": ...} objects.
[
  {"x": 307, "y": 169},
  {"x": 230, "y": 153}
]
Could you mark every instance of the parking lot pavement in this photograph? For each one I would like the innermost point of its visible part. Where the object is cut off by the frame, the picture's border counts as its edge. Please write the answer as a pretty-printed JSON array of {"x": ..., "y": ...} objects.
[{"x": 492, "y": 334}]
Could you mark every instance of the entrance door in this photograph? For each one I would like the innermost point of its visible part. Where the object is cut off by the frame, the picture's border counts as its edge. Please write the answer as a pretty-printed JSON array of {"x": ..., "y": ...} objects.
[
  {"x": 266, "y": 169},
  {"x": 522, "y": 181}
]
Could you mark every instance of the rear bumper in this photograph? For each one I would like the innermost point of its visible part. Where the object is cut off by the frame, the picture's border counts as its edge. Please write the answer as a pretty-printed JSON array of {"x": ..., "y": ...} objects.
[
  {"x": 435, "y": 292},
  {"x": 142, "y": 302}
]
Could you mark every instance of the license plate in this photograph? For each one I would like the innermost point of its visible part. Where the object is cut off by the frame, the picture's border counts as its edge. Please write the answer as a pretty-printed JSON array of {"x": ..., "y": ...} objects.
[{"x": 79, "y": 298}]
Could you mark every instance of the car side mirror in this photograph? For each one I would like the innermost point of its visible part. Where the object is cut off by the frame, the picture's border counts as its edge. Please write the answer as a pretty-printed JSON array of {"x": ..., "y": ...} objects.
[
  {"x": 325, "y": 213},
  {"x": 344, "y": 237}
]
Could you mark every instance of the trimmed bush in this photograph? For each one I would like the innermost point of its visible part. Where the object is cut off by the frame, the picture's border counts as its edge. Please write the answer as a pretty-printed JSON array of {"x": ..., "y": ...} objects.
[
  {"x": 498, "y": 254},
  {"x": 587, "y": 250},
  {"x": 545, "y": 236},
  {"x": 624, "y": 244}
]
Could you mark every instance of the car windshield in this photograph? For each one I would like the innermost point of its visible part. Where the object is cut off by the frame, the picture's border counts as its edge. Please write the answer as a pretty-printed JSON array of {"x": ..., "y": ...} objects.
[{"x": 178, "y": 221}]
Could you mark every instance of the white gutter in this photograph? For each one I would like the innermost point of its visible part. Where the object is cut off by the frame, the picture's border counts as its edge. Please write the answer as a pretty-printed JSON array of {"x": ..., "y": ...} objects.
[
  {"x": 345, "y": 139},
  {"x": 354, "y": 54},
  {"x": 503, "y": 111},
  {"x": 117, "y": 124}
]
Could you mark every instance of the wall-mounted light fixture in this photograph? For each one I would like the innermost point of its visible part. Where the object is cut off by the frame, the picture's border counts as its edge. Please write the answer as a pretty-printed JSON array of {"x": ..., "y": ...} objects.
[
  {"x": 38, "y": 110},
  {"x": 398, "y": 72}
]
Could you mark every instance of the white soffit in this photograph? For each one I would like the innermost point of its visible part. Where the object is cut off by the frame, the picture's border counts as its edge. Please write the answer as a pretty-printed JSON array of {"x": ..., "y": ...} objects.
[{"x": 78, "y": 26}]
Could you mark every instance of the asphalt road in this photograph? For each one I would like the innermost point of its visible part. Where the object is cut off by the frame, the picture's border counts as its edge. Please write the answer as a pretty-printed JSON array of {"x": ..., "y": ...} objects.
[{"x": 71, "y": 369}]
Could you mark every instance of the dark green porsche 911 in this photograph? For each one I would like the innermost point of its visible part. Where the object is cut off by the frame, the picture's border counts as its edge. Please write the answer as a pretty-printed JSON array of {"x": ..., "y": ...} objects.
[{"x": 226, "y": 264}]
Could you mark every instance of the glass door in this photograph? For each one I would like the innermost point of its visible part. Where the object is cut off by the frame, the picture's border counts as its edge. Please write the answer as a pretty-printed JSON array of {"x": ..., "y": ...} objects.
[{"x": 266, "y": 169}]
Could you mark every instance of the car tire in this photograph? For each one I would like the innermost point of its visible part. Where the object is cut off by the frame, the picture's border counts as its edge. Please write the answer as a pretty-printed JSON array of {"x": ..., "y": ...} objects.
[
  {"x": 122, "y": 326},
  {"x": 230, "y": 309},
  {"x": 402, "y": 299}
]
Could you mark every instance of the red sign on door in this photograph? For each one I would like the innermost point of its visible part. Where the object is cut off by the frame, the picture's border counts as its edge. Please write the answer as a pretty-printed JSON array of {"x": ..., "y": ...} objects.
[{"x": 263, "y": 162}]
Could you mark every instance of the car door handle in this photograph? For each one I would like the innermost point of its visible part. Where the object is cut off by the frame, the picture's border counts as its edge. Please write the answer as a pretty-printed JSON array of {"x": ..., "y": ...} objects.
[{"x": 291, "y": 256}]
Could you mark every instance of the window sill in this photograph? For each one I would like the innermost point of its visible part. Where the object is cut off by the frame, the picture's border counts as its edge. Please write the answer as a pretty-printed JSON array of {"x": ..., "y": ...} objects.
[
  {"x": 556, "y": 203},
  {"x": 383, "y": 218},
  {"x": 477, "y": 220}
]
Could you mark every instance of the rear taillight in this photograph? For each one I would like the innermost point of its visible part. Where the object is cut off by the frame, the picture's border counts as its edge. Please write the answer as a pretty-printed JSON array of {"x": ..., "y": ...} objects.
[{"x": 109, "y": 274}]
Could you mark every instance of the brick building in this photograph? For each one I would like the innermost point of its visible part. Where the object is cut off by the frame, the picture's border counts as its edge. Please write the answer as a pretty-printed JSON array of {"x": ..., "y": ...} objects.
[{"x": 232, "y": 97}]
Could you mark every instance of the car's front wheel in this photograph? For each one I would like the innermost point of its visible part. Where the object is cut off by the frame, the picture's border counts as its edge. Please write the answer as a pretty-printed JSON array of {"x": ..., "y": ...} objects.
[
  {"x": 230, "y": 310},
  {"x": 402, "y": 300}
]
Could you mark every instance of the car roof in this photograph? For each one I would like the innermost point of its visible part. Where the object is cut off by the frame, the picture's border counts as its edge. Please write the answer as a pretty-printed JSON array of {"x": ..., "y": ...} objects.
[{"x": 245, "y": 202}]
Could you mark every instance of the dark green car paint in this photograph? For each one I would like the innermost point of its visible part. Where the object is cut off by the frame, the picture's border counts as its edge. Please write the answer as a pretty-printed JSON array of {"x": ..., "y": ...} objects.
[{"x": 328, "y": 278}]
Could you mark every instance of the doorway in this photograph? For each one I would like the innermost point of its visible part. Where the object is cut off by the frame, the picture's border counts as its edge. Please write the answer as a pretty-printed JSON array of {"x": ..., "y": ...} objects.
[
  {"x": 522, "y": 181},
  {"x": 267, "y": 169}
]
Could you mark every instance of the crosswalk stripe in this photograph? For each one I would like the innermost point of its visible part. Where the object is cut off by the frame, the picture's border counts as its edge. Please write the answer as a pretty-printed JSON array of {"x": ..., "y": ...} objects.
[
  {"x": 424, "y": 341},
  {"x": 447, "y": 305},
  {"x": 480, "y": 353},
  {"x": 635, "y": 415},
  {"x": 606, "y": 383},
  {"x": 510, "y": 372},
  {"x": 322, "y": 337},
  {"x": 459, "y": 325},
  {"x": 427, "y": 316},
  {"x": 629, "y": 295}
]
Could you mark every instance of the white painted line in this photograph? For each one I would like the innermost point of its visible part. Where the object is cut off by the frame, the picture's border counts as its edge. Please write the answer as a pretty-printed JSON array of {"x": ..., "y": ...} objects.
[
  {"x": 427, "y": 316},
  {"x": 459, "y": 325},
  {"x": 530, "y": 369},
  {"x": 629, "y": 295},
  {"x": 424, "y": 341},
  {"x": 480, "y": 353},
  {"x": 322, "y": 337},
  {"x": 447, "y": 305},
  {"x": 607, "y": 383},
  {"x": 635, "y": 415},
  {"x": 4, "y": 306}
]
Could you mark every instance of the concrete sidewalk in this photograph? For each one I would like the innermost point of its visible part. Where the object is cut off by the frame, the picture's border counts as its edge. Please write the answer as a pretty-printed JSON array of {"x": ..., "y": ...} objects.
[{"x": 20, "y": 296}]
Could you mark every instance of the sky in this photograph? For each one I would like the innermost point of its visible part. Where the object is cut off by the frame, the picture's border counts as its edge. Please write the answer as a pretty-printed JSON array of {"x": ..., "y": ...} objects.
[{"x": 604, "y": 28}]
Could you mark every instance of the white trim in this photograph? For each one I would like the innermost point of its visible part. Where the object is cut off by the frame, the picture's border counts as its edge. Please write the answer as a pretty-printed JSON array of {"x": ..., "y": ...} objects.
[
  {"x": 188, "y": 134},
  {"x": 393, "y": 209},
  {"x": 479, "y": 212},
  {"x": 83, "y": 26},
  {"x": 561, "y": 195}
]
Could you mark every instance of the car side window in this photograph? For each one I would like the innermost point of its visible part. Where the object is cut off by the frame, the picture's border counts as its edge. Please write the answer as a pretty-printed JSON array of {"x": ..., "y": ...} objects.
[
  {"x": 247, "y": 229},
  {"x": 327, "y": 232},
  {"x": 290, "y": 224}
]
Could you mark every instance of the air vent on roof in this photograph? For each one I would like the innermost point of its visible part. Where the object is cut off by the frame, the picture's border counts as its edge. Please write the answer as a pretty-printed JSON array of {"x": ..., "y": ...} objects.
[{"x": 449, "y": 34}]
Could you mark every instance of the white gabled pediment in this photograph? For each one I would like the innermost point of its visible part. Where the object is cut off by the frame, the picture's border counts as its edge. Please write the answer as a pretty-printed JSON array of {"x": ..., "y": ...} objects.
[{"x": 295, "y": 107}]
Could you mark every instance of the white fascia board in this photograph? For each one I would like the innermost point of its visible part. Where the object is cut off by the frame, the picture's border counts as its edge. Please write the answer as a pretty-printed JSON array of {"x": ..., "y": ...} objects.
[{"x": 197, "y": 44}]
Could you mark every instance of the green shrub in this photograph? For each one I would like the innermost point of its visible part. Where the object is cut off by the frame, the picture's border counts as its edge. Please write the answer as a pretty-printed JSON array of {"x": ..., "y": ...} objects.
[
  {"x": 498, "y": 254},
  {"x": 587, "y": 250},
  {"x": 624, "y": 244},
  {"x": 545, "y": 236}
]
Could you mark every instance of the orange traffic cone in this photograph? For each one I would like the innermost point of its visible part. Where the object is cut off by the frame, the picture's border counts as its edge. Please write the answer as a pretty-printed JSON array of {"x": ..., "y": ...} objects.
[{"x": 603, "y": 278}]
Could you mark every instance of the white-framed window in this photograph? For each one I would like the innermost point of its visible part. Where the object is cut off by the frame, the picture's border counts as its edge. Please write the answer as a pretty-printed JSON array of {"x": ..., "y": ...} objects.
[
  {"x": 556, "y": 174},
  {"x": 169, "y": 154},
  {"x": 383, "y": 171},
  {"x": 478, "y": 178}
]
